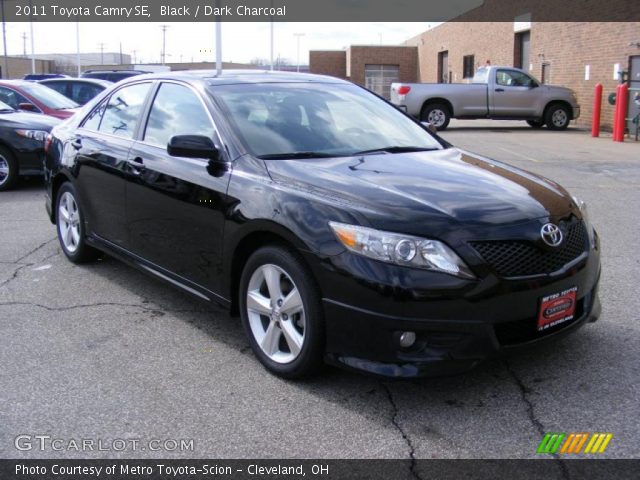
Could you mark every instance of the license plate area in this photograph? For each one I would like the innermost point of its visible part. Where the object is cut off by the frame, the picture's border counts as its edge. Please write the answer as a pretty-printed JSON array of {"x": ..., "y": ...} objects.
[{"x": 557, "y": 308}]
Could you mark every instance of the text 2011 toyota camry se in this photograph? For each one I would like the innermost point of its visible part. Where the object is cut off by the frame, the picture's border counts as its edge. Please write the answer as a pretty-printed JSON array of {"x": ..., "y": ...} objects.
[{"x": 336, "y": 226}]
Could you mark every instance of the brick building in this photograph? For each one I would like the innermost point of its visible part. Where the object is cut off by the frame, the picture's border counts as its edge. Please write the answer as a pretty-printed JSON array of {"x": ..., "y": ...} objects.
[
  {"x": 374, "y": 67},
  {"x": 574, "y": 54}
]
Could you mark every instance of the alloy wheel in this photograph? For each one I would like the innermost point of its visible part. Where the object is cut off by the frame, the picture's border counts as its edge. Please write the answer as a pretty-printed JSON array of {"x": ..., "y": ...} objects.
[
  {"x": 4, "y": 170},
  {"x": 69, "y": 222},
  {"x": 276, "y": 313}
]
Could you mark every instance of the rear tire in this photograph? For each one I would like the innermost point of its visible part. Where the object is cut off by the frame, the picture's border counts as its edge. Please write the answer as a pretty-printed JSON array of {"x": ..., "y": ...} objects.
[
  {"x": 557, "y": 117},
  {"x": 9, "y": 169},
  {"x": 70, "y": 226},
  {"x": 437, "y": 114},
  {"x": 282, "y": 313},
  {"x": 536, "y": 124}
]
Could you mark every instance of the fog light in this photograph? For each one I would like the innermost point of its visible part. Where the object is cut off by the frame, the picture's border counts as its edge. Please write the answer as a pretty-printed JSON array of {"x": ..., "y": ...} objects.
[{"x": 407, "y": 339}]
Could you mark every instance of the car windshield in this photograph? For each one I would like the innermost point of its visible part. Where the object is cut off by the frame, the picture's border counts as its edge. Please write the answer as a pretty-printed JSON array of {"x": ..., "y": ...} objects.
[
  {"x": 307, "y": 120},
  {"x": 5, "y": 108},
  {"x": 49, "y": 97}
]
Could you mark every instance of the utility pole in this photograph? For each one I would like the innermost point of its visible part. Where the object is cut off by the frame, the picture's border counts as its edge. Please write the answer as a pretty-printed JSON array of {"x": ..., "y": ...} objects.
[
  {"x": 298, "y": 35},
  {"x": 218, "y": 46},
  {"x": 101, "y": 47},
  {"x": 164, "y": 35},
  {"x": 5, "y": 73},
  {"x": 24, "y": 44},
  {"x": 135, "y": 61},
  {"x": 271, "y": 23}
]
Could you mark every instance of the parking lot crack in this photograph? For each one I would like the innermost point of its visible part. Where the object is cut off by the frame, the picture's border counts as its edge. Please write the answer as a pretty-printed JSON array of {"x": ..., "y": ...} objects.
[
  {"x": 524, "y": 394},
  {"x": 100, "y": 304},
  {"x": 31, "y": 252},
  {"x": 15, "y": 274},
  {"x": 405, "y": 436}
]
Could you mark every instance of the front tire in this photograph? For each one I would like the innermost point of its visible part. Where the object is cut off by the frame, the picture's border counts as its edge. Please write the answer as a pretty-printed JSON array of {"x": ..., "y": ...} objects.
[
  {"x": 70, "y": 226},
  {"x": 557, "y": 117},
  {"x": 437, "y": 114},
  {"x": 8, "y": 170},
  {"x": 282, "y": 313}
]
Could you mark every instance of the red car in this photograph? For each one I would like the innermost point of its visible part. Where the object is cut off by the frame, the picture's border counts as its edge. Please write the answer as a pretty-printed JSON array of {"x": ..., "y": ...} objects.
[{"x": 33, "y": 97}]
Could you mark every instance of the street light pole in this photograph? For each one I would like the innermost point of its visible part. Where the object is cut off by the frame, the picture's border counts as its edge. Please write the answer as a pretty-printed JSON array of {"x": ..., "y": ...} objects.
[
  {"x": 298, "y": 35},
  {"x": 5, "y": 73},
  {"x": 218, "y": 46},
  {"x": 271, "y": 28},
  {"x": 33, "y": 58},
  {"x": 78, "y": 48}
]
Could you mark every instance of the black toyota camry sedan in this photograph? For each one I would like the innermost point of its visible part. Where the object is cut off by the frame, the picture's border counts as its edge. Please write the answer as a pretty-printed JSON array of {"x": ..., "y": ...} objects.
[
  {"x": 337, "y": 227},
  {"x": 22, "y": 136}
]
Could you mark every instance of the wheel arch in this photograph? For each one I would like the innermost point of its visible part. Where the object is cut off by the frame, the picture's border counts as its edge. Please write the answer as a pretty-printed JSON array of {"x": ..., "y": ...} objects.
[
  {"x": 564, "y": 103},
  {"x": 254, "y": 236},
  {"x": 434, "y": 101}
]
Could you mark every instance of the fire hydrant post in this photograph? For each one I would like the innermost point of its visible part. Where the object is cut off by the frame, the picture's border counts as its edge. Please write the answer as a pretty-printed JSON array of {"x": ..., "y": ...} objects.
[{"x": 597, "y": 107}]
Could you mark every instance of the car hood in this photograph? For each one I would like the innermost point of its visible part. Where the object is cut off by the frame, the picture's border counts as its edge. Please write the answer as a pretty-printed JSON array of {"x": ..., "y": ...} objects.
[
  {"x": 411, "y": 192},
  {"x": 32, "y": 121}
]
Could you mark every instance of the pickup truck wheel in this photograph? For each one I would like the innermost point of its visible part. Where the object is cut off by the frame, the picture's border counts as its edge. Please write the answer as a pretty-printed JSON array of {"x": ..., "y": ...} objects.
[
  {"x": 535, "y": 124},
  {"x": 557, "y": 117},
  {"x": 437, "y": 115}
]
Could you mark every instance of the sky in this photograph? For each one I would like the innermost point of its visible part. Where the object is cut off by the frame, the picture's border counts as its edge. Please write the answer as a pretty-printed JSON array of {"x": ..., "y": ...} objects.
[{"x": 241, "y": 42}]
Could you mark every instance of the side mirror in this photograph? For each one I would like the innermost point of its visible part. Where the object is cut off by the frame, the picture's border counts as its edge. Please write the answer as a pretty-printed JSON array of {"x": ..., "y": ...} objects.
[
  {"x": 192, "y": 146},
  {"x": 533, "y": 85},
  {"x": 430, "y": 126},
  {"x": 28, "y": 107}
]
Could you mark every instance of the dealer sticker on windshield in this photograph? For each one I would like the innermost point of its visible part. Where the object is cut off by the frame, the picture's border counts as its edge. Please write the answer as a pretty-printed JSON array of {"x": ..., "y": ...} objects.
[{"x": 557, "y": 308}]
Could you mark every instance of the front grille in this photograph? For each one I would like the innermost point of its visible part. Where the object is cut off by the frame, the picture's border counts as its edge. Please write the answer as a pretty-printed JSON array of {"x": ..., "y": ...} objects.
[
  {"x": 526, "y": 330},
  {"x": 519, "y": 258}
]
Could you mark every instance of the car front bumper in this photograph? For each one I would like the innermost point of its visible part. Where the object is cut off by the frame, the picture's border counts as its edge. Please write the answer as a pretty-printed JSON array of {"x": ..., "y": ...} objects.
[{"x": 457, "y": 326}]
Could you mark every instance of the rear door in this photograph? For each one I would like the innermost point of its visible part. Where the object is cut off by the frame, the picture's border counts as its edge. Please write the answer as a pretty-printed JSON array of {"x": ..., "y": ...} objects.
[
  {"x": 102, "y": 144},
  {"x": 513, "y": 94},
  {"x": 175, "y": 208}
]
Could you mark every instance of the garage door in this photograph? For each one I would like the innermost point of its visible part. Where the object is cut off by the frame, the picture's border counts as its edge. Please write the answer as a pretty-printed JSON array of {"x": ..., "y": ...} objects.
[{"x": 378, "y": 78}]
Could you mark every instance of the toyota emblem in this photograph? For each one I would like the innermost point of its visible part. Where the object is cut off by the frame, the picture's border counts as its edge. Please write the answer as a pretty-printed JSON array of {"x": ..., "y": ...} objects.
[{"x": 551, "y": 234}]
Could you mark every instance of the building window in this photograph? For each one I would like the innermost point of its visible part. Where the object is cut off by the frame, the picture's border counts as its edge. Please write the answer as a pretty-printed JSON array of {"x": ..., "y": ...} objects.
[
  {"x": 521, "y": 50},
  {"x": 546, "y": 73},
  {"x": 468, "y": 62},
  {"x": 444, "y": 76},
  {"x": 378, "y": 78}
]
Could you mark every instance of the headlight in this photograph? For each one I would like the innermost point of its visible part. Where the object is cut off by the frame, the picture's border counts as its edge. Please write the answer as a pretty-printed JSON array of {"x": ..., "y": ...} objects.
[
  {"x": 404, "y": 250},
  {"x": 582, "y": 205},
  {"x": 39, "y": 135}
]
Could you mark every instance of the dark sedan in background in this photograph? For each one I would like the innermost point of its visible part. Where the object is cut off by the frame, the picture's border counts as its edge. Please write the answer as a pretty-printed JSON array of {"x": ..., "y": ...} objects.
[
  {"x": 80, "y": 90},
  {"x": 112, "y": 75},
  {"x": 33, "y": 97},
  {"x": 22, "y": 136},
  {"x": 334, "y": 224}
]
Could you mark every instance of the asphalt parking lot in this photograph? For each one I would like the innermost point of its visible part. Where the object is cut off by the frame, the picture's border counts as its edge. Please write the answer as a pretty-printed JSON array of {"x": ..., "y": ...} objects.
[{"x": 102, "y": 351}]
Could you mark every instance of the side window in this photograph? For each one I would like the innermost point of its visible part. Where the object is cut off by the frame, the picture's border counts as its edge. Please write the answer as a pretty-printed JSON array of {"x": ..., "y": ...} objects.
[
  {"x": 12, "y": 98},
  {"x": 176, "y": 110},
  {"x": 83, "y": 92},
  {"x": 123, "y": 110},
  {"x": 513, "y": 78},
  {"x": 60, "y": 87},
  {"x": 92, "y": 122}
]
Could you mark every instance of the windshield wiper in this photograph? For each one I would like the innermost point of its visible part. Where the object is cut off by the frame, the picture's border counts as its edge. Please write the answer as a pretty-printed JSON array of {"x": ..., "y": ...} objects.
[
  {"x": 395, "y": 149},
  {"x": 287, "y": 155}
]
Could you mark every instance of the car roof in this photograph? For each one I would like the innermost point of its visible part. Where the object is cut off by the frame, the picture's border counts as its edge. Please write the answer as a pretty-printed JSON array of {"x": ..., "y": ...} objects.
[
  {"x": 94, "y": 81},
  {"x": 115, "y": 71},
  {"x": 17, "y": 83},
  {"x": 227, "y": 77}
]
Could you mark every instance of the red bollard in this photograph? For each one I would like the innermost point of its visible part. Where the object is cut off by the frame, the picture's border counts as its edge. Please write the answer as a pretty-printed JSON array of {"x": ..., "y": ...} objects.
[
  {"x": 597, "y": 107},
  {"x": 615, "y": 113},
  {"x": 622, "y": 98}
]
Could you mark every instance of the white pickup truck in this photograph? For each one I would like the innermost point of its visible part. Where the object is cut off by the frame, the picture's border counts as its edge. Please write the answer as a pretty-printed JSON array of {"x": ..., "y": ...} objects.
[{"x": 500, "y": 93}]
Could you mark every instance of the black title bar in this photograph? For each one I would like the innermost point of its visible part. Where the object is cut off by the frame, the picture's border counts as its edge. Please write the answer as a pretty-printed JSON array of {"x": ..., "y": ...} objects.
[{"x": 320, "y": 10}]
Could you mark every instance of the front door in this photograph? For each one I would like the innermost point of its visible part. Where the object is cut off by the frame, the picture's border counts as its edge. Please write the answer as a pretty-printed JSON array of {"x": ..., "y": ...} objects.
[
  {"x": 175, "y": 208},
  {"x": 514, "y": 95}
]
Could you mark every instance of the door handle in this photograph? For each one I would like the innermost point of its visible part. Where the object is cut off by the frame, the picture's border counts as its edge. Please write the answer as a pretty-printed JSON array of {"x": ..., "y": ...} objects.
[
  {"x": 76, "y": 143},
  {"x": 137, "y": 165},
  {"x": 499, "y": 89}
]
